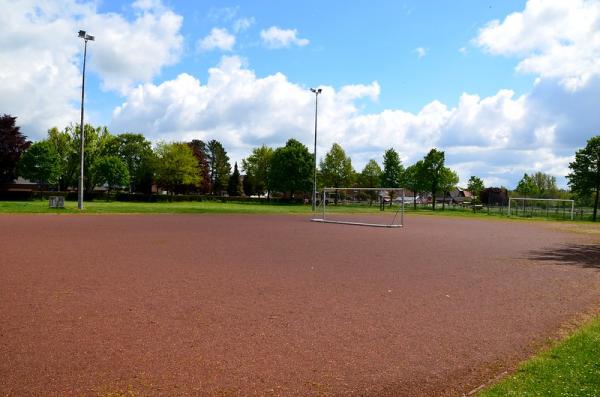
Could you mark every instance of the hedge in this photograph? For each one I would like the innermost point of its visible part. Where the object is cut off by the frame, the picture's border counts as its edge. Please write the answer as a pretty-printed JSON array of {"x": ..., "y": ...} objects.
[{"x": 26, "y": 195}]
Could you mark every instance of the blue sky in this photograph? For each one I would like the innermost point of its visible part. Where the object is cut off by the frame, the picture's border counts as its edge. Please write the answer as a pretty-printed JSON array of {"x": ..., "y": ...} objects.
[
  {"x": 367, "y": 41},
  {"x": 503, "y": 87}
]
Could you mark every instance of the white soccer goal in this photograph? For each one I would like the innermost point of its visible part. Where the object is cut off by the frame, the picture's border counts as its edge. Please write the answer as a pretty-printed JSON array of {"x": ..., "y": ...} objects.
[
  {"x": 541, "y": 207},
  {"x": 377, "y": 207}
]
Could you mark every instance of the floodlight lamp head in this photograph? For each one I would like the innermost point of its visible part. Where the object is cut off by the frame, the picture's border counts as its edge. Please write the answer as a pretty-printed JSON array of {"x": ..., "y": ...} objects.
[
  {"x": 82, "y": 34},
  {"x": 89, "y": 37},
  {"x": 319, "y": 91}
]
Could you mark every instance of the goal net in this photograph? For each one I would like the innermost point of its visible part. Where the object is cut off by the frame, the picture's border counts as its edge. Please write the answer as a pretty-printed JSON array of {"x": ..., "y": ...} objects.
[
  {"x": 537, "y": 207},
  {"x": 378, "y": 207}
]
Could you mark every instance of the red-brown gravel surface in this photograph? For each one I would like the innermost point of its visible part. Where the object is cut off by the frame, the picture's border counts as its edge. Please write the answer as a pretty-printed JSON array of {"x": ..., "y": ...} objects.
[{"x": 278, "y": 305}]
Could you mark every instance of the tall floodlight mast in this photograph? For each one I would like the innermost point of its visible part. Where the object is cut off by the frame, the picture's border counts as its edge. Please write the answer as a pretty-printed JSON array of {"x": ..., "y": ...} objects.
[
  {"x": 86, "y": 37},
  {"x": 314, "y": 195}
]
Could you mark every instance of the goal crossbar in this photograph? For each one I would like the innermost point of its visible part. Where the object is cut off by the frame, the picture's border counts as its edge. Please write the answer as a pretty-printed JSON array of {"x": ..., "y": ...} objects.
[
  {"x": 510, "y": 199},
  {"x": 355, "y": 223},
  {"x": 382, "y": 191}
]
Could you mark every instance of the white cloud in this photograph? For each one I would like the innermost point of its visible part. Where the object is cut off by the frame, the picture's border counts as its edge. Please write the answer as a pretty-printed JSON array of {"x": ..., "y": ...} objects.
[
  {"x": 238, "y": 108},
  {"x": 491, "y": 122},
  {"x": 125, "y": 52},
  {"x": 421, "y": 52},
  {"x": 498, "y": 137},
  {"x": 243, "y": 24},
  {"x": 40, "y": 55},
  {"x": 351, "y": 92},
  {"x": 275, "y": 37},
  {"x": 218, "y": 38},
  {"x": 223, "y": 14},
  {"x": 148, "y": 5},
  {"x": 39, "y": 72},
  {"x": 556, "y": 39}
]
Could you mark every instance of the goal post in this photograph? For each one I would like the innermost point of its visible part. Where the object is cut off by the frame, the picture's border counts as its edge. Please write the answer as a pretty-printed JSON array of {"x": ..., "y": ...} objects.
[
  {"x": 544, "y": 204},
  {"x": 375, "y": 207}
]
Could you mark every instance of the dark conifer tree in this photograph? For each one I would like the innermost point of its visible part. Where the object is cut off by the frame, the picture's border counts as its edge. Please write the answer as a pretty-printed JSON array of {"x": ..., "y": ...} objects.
[
  {"x": 234, "y": 187},
  {"x": 12, "y": 145}
]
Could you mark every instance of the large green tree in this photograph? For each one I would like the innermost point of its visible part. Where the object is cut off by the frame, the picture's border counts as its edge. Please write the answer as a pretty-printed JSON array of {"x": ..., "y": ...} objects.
[
  {"x": 219, "y": 166},
  {"x": 200, "y": 150},
  {"x": 414, "y": 180},
  {"x": 176, "y": 166},
  {"x": 133, "y": 149},
  {"x": 12, "y": 145},
  {"x": 292, "y": 168},
  {"x": 336, "y": 168},
  {"x": 448, "y": 181},
  {"x": 545, "y": 184},
  {"x": 96, "y": 144},
  {"x": 527, "y": 186},
  {"x": 393, "y": 170},
  {"x": 257, "y": 167},
  {"x": 112, "y": 171},
  {"x": 475, "y": 186},
  {"x": 433, "y": 165},
  {"x": 584, "y": 178},
  {"x": 370, "y": 177},
  {"x": 62, "y": 143},
  {"x": 136, "y": 152},
  {"x": 40, "y": 164}
]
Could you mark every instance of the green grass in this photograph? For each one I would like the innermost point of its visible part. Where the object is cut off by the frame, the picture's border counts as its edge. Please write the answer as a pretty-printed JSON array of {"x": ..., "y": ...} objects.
[
  {"x": 184, "y": 207},
  {"x": 117, "y": 207},
  {"x": 217, "y": 207},
  {"x": 572, "y": 368}
]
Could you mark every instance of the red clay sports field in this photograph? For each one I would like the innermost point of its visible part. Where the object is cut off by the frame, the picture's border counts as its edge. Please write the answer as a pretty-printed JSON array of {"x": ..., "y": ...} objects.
[{"x": 278, "y": 305}]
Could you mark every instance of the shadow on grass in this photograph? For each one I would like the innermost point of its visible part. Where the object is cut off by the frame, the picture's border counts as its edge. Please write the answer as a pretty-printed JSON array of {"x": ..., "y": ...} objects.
[{"x": 583, "y": 255}]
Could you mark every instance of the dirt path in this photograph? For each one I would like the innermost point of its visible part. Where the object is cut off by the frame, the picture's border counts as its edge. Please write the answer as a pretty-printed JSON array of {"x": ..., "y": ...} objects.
[{"x": 277, "y": 305}]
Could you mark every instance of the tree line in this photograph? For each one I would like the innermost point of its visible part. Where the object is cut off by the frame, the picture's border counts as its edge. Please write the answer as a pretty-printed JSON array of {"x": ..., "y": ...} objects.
[{"x": 129, "y": 161}]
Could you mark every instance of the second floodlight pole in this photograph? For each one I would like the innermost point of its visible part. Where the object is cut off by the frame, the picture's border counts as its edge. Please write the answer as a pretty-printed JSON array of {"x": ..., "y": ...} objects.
[
  {"x": 314, "y": 195},
  {"x": 85, "y": 37}
]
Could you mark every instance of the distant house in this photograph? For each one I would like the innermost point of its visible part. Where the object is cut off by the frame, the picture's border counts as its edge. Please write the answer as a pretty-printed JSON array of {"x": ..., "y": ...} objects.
[
  {"x": 461, "y": 196},
  {"x": 409, "y": 197},
  {"x": 439, "y": 198},
  {"x": 456, "y": 196},
  {"x": 19, "y": 185}
]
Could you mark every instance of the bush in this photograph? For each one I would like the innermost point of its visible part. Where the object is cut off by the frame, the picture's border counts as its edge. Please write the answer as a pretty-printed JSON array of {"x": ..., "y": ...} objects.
[
  {"x": 155, "y": 198},
  {"x": 24, "y": 195},
  {"x": 16, "y": 195}
]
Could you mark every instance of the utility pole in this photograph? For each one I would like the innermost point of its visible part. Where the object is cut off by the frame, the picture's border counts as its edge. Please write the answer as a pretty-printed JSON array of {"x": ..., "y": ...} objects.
[
  {"x": 314, "y": 195},
  {"x": 86, "y": 37}
]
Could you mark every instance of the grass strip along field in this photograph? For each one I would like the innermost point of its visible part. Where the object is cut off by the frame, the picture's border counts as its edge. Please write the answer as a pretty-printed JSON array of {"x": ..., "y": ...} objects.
[
  {"x": 572, "y": 368},
  {"x": 217, "y": 207},
  {"x": 117, "y": 207}
]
